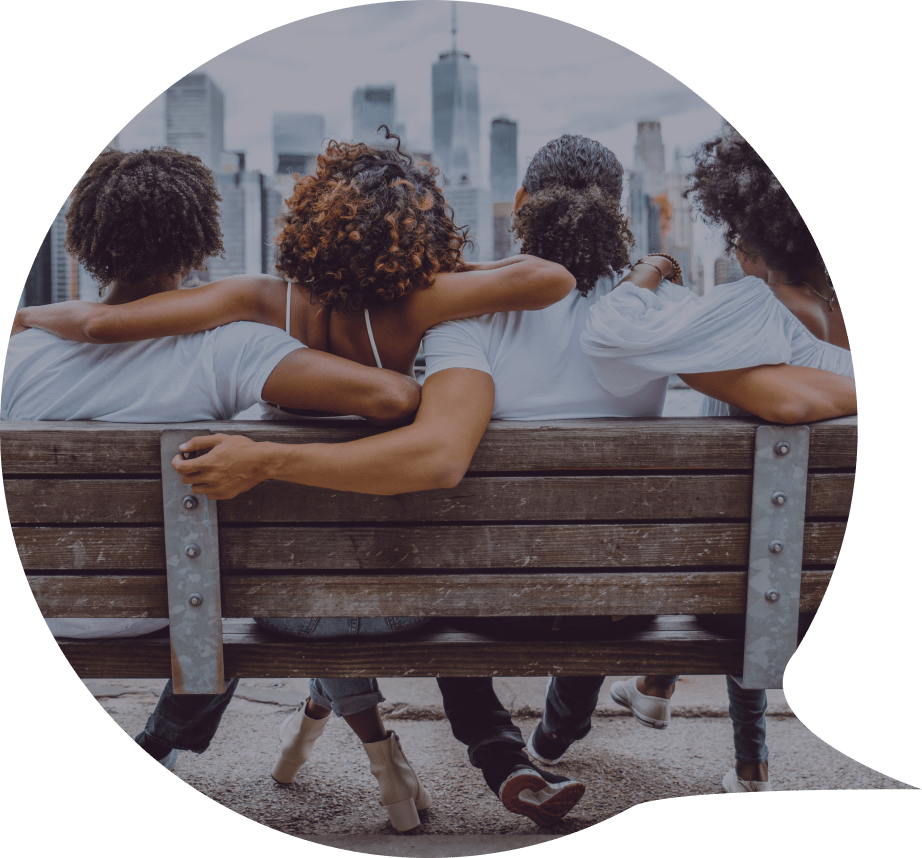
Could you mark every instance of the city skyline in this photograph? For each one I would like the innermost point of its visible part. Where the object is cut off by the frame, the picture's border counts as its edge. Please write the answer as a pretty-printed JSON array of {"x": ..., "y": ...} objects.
[{"x": 593, "y": 86}]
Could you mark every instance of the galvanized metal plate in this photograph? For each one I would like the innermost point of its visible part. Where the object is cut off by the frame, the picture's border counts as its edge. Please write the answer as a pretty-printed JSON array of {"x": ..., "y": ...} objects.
[
  {"x": 190, "y": 529},
  {"x": 776, "y": 542}
]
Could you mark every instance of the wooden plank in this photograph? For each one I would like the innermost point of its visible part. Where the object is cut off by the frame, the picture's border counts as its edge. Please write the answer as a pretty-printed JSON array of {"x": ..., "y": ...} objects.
[
  {"x": 435, "y": 547},
  {"x": 462, "y": 594},
  {"x": 252, "y": 653},
  {"x": 579, "y": 498},
  {"x": 686, "y": 444}
]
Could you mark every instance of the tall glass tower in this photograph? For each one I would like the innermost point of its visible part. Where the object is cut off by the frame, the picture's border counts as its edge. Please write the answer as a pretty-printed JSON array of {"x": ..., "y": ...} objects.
[
  {"x": 372, "y": 107},
  {"x": 195, "y": 118}
]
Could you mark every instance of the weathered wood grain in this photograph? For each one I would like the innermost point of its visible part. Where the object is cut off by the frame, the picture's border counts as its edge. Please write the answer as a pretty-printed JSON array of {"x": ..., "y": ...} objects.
[
  {"x": 679, "y": 648},
  {"x": 458, "y": 595},
  {"x": 691, "y": 444},
  {"x": 412, "y": 547},
  {"x": 542, "y": 498}
]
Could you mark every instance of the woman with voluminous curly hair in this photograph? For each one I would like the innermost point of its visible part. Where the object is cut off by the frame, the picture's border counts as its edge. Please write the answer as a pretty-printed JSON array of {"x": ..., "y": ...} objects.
[{"x": 723, "y": 344}]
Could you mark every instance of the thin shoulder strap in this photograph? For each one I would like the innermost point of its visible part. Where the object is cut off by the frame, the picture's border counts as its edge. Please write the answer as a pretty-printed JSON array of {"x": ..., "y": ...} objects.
[
  {"x": 288, "y": 311},
  {"x": 371, "y": 339}
]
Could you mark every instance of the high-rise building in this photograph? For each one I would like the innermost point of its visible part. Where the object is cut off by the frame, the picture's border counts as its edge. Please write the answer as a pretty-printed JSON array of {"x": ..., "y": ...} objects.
[
  {"x": 650, "y": 156},
  {"x": 456, "y": 145},
  {"x": 504, "y": 242},
  {"x": 195, "y": 118},
  {"x": 679, "y": 238},
  {"x": 38, "y": 289},
  {"x": 297, "y": 140},
  {"x": 248, "y": 207},
  {"x": 727, "y": 270},
  {"x": 504, "y": 159},
  {"x": 372, "y": 107},
  {"x": 456, "y": 114}
]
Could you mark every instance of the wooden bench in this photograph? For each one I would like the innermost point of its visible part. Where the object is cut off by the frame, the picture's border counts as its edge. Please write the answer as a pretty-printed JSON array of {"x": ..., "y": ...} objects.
[{"x": 672, "y": 517}]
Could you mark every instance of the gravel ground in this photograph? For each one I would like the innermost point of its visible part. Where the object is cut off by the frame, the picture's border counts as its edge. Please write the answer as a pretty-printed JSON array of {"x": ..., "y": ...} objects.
[{"x": 621, "y": 762}]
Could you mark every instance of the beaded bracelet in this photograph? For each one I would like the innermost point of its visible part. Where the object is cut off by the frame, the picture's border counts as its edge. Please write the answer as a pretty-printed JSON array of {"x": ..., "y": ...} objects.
[
  {"x": 675, "y": 266},
  {"x": 641, "y": 262}
]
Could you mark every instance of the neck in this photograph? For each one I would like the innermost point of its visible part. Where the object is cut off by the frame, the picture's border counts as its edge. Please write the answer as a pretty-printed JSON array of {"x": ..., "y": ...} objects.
[
  {"x": 815, "y": 277},
  {"x": 124, "y": 291}
]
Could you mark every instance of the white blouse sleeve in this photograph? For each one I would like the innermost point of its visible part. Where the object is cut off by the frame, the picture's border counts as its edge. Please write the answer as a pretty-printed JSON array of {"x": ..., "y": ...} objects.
[{"x": 635, "y": 334}]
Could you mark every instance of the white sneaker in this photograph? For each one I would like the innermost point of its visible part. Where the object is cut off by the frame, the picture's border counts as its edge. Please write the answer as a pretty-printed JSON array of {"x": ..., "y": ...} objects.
[
  {"x": 733, "y": 783},
  {"x": 650, "y": 711}
]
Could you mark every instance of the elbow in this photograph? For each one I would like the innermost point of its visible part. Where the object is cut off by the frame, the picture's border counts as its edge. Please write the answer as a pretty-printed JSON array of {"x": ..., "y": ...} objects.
[
  {"x": 396, "y": 402},
  {"x": 552, "y": 283},
  {"x": 95, "y": 330},
  {"x": 793, "y": 411}
]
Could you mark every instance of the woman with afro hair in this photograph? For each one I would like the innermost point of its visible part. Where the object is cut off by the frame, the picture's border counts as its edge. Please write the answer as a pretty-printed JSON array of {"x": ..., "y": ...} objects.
[{"x": 720, "y": 344}]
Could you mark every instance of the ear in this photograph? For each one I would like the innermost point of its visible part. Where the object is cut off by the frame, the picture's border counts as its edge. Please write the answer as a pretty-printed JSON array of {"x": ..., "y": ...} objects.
[{"x": 521, "y": 197}]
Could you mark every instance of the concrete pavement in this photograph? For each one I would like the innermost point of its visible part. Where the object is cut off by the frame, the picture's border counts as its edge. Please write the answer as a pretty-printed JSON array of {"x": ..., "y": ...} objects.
[{"x": 336, "y": 802}]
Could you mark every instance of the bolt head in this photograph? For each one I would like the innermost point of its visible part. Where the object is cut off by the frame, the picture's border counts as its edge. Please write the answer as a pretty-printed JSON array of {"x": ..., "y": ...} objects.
[
  {"x": 772, "y": 596},
  {"x": 192, "y": 550},
  {"x": 190, "y": 502},
  {"x": 782, "y": 448},
  {"x": 776, "y": 547},
  {"x": 196, "y": 599},
  {"x": 779, "y": 498}
]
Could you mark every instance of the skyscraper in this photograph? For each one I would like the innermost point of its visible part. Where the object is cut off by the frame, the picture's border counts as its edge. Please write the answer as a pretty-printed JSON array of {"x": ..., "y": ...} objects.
[
  {"x": 297, "y": 139},
  {"x": 456, "y": 114},
  {"x": 195, "y": 118},
  {"x": 650, "y": 157},
  {"x": 248, "y": 206},
  {"x": 456, "y": 145},
  {"x": 373, "y": 106},
  {"x": 504, "y": 159}
]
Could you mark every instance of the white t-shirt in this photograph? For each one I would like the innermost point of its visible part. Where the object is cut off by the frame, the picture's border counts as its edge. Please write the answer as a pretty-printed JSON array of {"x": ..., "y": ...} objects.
[
  {"x": 635, "y": 335},
  {"x": 204, "y": 376},
  {"x": 538, "y": 368}
]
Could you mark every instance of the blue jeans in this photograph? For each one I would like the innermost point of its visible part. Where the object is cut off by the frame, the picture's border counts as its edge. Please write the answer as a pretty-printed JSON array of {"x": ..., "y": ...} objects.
[{"x": 188, "y": 722}]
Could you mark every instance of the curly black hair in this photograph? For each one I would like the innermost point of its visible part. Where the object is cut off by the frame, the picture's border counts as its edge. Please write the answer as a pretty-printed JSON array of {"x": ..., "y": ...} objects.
[
  {"x": 573, "y": 213},
  {"x": 735, "y": 190},
  {"x": 368, "y": 227},
  {"x": 138, "y": 215}
]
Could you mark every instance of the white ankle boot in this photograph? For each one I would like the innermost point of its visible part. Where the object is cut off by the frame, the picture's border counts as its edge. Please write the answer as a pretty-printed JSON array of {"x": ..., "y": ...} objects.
[
  {"x": 401, "y": 792},
  {"x": 298, "y": 735}
]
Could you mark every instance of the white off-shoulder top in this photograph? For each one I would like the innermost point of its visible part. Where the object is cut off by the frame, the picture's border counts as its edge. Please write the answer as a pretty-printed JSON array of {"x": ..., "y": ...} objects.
[{"x": 635, "y": 335}]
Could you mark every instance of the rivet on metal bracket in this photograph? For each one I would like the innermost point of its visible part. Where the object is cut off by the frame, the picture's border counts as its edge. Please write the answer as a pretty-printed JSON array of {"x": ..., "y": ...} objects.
[
  {"x": 772, "y": 596},
  {"x": 776, "y": 546},
  {"x": 189, "y": 502},
  {"x": 196, "y": 599},
  {"x": 779, "y": 498},
  {"x": 192, "y": 550},
  {"x": 782, "y": 448}
]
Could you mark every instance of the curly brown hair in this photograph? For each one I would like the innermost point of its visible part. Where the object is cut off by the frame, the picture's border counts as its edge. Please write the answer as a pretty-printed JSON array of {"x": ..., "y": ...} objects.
[
  {"x": 137, "y": 215},
  {"x": 735, "y": 190},
  {"x": 368, "y": 227},
  {"x": 573, "y": 213}
]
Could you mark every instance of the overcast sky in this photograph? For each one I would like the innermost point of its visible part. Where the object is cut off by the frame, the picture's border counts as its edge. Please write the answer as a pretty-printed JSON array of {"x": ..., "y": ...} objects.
[{"x": 549, "y": 76}]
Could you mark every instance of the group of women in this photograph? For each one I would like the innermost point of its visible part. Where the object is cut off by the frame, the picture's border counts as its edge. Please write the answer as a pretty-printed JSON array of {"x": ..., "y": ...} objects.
[{"x": 372, "y": 259}]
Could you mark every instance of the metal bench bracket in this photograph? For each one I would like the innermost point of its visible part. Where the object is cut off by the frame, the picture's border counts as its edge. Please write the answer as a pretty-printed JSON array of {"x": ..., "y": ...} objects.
[
  {"x": 776, "y": 542},
  {"x": 190, "y": 527}
]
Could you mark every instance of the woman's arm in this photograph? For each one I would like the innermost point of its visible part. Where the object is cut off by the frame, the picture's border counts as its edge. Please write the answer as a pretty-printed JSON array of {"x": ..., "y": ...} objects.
[
  {"x": 185, "y": 311},
  {"x": 518, "y": 283},
  {"x": 780, "y": 393},
  {"x": 434, "y": 452}
]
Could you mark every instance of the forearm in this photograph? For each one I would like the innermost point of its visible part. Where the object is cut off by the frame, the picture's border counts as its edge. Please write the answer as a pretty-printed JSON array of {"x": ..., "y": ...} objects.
[
  {"x": 68, "y": 320},
  {"x": 781, "y": 393},
  {"x": 388, "y": 464}
]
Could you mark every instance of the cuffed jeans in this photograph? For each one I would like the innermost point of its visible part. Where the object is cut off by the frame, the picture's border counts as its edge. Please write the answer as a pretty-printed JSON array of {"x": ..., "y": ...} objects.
[{"x": 188, "y": 722}]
